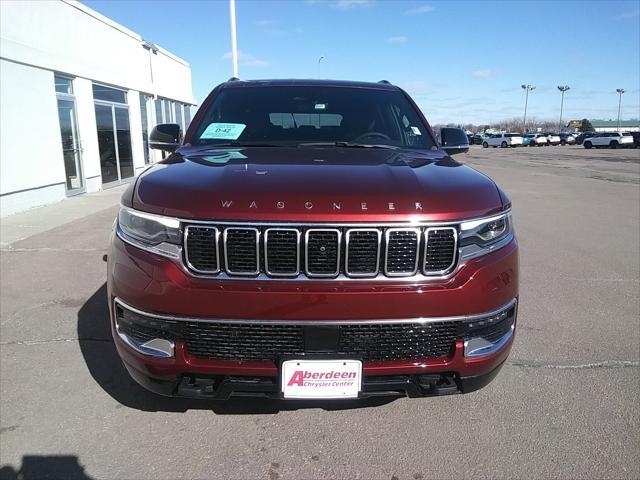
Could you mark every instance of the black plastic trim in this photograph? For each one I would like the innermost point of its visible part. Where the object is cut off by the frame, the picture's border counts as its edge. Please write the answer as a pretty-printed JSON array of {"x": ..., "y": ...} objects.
[{"x": 223, "y": 387}]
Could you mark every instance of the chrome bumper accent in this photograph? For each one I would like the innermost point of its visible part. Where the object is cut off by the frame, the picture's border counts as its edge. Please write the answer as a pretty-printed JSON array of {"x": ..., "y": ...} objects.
[
  {"x": 479, "y": 347},
  {"x": 158, "y": 347},
  {"x": 461, "y": 318}
]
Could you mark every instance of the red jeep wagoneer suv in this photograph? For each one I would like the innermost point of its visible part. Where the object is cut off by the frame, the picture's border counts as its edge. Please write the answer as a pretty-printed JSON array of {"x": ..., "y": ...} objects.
[{"x": 312, "y": 239}]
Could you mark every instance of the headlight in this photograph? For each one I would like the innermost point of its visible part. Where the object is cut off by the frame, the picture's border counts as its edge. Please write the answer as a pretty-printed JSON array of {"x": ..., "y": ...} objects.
[
  {"x": 485, "y": 235},
  {"x": 155, "y": 233}
]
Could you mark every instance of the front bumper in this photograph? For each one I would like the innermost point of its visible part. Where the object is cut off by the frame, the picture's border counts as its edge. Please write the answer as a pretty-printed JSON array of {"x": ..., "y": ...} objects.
[{"x": 154, "y": 284}]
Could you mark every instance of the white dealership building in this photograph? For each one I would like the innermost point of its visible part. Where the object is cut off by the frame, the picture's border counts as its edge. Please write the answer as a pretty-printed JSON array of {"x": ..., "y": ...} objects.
[{"x": 79, "y": 95}]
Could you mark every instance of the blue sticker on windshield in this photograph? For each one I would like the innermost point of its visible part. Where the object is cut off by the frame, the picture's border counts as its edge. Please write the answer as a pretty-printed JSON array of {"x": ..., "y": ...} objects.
[{"x": 224, "y": 131}]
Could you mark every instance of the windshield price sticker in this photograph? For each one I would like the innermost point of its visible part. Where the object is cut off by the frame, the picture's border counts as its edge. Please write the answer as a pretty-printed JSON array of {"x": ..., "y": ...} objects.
[{"x": 223, "y": 131}]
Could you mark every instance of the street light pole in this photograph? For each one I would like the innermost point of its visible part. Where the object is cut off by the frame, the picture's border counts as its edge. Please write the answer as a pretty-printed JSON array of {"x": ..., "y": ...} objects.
[
  {"x": 562, "y": 89},
  {"x": 318, "y": 69},
  {"x": 234, "y": 43},
  {"x": 527, "y": 88},
  {"x": 620, "y": 92}
]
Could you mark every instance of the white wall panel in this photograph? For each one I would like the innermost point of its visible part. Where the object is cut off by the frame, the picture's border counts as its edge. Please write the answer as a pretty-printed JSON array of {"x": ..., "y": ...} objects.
[{"x": 30, "y": 142}]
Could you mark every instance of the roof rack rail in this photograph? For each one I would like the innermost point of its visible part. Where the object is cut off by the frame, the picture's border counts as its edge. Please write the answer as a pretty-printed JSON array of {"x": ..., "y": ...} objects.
[
  {"x": 386, "y": 82},
  {"x": 233, "y": 79}
]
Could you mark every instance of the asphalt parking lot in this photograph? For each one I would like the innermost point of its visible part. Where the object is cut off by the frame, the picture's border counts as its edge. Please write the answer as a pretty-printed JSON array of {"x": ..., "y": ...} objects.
[{"x": 564, "y": 406}]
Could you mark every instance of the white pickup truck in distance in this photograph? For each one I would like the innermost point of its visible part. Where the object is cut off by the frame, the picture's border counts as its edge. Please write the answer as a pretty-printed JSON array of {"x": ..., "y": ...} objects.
[{"x": 503, "y": 140}]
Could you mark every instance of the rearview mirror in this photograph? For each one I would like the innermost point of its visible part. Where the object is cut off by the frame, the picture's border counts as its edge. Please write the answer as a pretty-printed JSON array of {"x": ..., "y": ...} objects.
[
  {"x": 165, "y": 136},
  {"x": 454, "y": 140}
]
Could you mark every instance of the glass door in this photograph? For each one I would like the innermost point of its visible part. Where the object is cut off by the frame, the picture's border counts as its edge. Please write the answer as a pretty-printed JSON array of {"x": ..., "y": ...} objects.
[
  {"x": 71, "y": 152},
  {"x": 114, "y": 135},
  {"x": 123, "y": 139},
  {"x": 107, "y": 144}
]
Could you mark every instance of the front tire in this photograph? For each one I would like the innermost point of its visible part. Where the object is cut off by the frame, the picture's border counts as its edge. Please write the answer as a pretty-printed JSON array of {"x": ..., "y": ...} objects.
[
  {"x": 614, "y": 144},
  {"x": 503, "y": 145},
  {"x": 587, "y": 145},
  {"x": 485, "y": 145}
]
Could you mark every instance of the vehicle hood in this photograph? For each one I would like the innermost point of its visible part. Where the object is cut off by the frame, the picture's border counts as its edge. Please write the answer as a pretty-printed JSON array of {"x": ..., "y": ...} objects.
[{"x": 314, "y": 184}]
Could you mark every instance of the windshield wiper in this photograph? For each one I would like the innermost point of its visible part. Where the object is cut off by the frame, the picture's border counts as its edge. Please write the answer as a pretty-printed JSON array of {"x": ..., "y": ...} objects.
[
  {"x": 347, "y": 145},
  {"x": 235, "y": 143}
]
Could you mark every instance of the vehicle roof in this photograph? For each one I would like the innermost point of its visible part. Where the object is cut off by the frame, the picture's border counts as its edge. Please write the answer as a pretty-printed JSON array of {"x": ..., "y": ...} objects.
[{"x": 308, "y": 83}]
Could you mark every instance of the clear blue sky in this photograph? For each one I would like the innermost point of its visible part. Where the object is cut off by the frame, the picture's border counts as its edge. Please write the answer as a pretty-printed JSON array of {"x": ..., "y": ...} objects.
[{"x": 461, "y": 61}]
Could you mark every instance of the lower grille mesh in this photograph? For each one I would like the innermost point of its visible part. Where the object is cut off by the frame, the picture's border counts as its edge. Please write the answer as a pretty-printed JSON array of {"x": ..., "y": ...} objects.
[
  {"x": 223, "y": 341},
  {"x": 270, "y": 342},
  {"x": 398, "y": 341}
]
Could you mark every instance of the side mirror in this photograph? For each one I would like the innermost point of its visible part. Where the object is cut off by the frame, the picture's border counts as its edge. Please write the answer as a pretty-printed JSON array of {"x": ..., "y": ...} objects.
[
  {"x": 454, "y": 140},
  {"x": 165, "y": 136}
]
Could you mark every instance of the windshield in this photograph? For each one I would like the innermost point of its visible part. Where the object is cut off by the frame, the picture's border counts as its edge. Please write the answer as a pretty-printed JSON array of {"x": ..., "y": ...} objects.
[{"x": 294, "y": 115}]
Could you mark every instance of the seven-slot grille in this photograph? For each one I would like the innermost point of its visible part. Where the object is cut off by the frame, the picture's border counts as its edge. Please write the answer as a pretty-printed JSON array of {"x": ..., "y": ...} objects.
[{"x": 320, "y": 252}]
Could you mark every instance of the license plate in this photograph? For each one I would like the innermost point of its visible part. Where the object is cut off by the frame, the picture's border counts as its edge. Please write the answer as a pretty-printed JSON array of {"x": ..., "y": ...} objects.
[{"x": 321, "y": 379}]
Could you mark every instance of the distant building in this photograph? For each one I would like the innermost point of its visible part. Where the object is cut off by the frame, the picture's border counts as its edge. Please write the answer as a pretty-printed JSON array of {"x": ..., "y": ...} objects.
[
  {"x": 609, "y": 125},
  {"x": 80, "y": 94},
  {"x": 612, "y": 125}
]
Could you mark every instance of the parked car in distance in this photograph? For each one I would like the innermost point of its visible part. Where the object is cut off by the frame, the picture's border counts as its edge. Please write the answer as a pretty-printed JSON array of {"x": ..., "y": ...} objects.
[
  {"x": 310, "y": 239},
  {"x": 583, "y": 136},
  {"x": 567, "y": 139},
  {"x": 534, "y": 139},
  {"x": 476, "y": 139},
  {"x": 609, "y": 139},
  {"x": 552, "y": 138},
  {"x": 503, "y": 140},
  {"x": 636, "y": 139}
]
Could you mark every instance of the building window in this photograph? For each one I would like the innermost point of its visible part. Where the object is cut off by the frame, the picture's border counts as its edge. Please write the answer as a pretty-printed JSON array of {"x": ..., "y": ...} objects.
[
  {"x": 63, "y": 85},
  {"x": 187, "y": 116},
  {"x": 167, "y": 111},
  {"x": 144, "y": 115},
  {"x": 107, "y": 94},
  {"x": 158, "y": 104},
  {"x": 178, "y": 109}
]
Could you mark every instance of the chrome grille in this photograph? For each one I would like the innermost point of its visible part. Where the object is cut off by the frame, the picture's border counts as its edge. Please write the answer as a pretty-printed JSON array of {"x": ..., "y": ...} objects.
[
  {"x": 403, "y": 247},
  {"x": 201, "y": 244},
  {"x": 322, "y": 252},
  {"x": 440, "y": 251},
  {"x": 292, "y": 251},
  {"x": 362, "y": 252},
  {"x": 241, "y": 250},
  {"x": 282, "y": 251}
]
